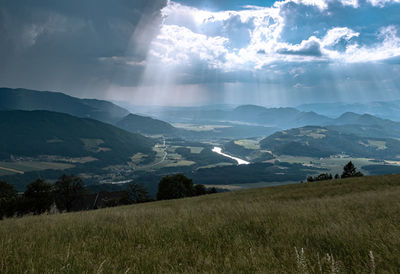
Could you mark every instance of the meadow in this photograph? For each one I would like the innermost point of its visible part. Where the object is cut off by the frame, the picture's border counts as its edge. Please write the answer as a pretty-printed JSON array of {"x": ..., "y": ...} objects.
[
  {"x": 20, "y": 167},
  {"x": 340, "y": 226}
]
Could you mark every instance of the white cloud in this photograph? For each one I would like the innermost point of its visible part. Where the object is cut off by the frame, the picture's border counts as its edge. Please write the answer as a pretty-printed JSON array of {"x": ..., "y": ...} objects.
[
  {"x": 321, "y": 4},
  {"x": 252, "y": 39},
  {"x": 382, "y": 3},
  {"x": 388, "y": 48},
  {"x": 333, "y": 36},
  {"x": 178, "y": 45}
]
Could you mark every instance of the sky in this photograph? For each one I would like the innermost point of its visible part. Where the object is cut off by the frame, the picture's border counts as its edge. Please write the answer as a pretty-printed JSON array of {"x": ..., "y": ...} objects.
[{"x": 193, "y": 52}]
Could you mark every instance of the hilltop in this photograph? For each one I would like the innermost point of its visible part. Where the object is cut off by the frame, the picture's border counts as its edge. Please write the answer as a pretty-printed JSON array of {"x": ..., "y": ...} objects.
[
  {"x": 355, "y": 221},
  {"x": 145, "y": 125},
  {"x": 25, "y": 99}
]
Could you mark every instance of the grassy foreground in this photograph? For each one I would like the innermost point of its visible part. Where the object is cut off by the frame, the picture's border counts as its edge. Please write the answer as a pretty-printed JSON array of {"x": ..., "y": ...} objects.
[{"x": 270, "y": 230}]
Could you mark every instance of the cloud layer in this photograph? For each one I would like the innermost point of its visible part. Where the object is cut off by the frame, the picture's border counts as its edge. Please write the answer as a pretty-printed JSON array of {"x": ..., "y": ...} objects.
[
  {"x": 252, "y": 38},
  {"x": 265, "y": 52}
]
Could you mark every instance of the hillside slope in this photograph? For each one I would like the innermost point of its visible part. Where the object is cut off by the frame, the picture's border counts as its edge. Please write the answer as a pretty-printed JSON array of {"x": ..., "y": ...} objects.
[
  {"x": 314, "y": 141},
  {"x": 145, "y": 125},
  {"x": 247, "y": 231},
  {"x": 23, "y": 99},
  {"x": 34, "y": 133},
  {"x": 366, "y": 125}
]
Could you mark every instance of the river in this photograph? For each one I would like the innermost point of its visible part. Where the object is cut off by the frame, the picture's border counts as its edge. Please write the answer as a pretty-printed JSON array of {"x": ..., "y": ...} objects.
[{"x": 238, "y": 160}]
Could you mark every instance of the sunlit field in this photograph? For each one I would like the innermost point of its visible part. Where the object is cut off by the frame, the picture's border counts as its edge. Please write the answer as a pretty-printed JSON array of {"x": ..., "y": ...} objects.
[{"x": 347, "y": 226}]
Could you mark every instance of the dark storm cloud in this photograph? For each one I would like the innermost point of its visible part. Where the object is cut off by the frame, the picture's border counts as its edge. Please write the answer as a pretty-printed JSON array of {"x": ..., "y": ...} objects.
[{"x": 72, "y": 44}]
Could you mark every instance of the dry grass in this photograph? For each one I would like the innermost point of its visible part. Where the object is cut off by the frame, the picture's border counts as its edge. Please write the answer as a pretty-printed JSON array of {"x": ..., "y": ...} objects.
[{"x": 331, "y": 226}]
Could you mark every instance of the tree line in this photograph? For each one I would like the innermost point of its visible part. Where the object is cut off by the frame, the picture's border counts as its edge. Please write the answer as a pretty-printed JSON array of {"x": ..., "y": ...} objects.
[
  {"x": 69, "y": 193},
  {"x": 349, "y": 171}
]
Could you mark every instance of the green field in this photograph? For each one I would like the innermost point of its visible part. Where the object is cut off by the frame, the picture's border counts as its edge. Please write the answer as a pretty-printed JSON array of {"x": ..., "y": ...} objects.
[
  {"x": 198, "y": 128},
  {"x": 20, "y": 167},
  {"x": 248, "y": 143},
  {"x": 332, "y": 164},
  {"x": 354, "y": 221},
  {"x": 196, "y": 150}
]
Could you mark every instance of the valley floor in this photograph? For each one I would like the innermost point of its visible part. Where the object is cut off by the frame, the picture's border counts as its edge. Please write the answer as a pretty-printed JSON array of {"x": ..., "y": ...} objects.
[{"x": 278, "y": 229}]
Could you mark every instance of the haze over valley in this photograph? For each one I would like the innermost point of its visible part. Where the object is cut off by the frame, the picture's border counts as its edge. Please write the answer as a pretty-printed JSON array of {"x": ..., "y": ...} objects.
[
  {"x": 109, "y": 146},
  {"x": 182, "y": 136}
]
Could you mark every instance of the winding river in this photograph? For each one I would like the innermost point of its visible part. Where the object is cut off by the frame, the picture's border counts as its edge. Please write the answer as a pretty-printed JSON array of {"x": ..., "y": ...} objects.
[{"x": 238, "y": 160}]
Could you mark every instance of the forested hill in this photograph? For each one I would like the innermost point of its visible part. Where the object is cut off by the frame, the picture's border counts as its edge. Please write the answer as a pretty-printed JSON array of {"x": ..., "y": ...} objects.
[
  {"x": 316, "y": 141},
  {"x": 34, "y": 133},
  {"x": 146, "y": 125}
]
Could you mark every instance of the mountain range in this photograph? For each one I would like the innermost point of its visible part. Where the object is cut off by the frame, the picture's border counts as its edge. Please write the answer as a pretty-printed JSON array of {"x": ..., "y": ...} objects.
[
  {"x": 23, "y": 99},
  {"x": 383, "y": 109},
  {"x": 241, "y": 122}
]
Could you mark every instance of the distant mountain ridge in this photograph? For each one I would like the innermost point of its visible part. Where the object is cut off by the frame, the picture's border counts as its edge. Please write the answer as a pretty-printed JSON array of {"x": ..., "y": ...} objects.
[
  {"x": 101, "y": 110},
  {"x": 360, "y": 119},
  {"x": 279, "y": 117},
  {"x": 366, "y": 125},
  {"x": 24, "y": 99},
  {"x": 383, "y": 109},
  {"x": 249, "y": 114}
]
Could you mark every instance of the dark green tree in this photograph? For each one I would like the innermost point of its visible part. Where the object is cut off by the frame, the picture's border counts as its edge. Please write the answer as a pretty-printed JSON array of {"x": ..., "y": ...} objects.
[
  {"x": 349, "y": 170},
  {"x": 38, "y": 197},
  {"x": 212, "y": 190},
  {"x": 310, "y": 179},
  {"x": 200, "y": 190},
  {"x": 321, "y": 177},
  {"x": 68, "y": 190},
  {"x": 175, "y": 187},
  {"x": 138, "y": 194},
  {"x": 8, "y": 199}
]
